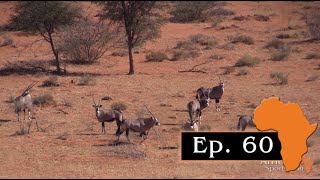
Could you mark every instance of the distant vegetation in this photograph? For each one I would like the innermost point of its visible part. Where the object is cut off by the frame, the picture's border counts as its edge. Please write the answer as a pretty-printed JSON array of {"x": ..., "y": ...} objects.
[{"x": 247, "y": 60}]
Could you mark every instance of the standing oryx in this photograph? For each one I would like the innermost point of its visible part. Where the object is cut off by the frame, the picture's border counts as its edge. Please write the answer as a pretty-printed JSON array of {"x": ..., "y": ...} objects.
[
  {"x": 196, "y": 106},
  {"x": 110, "y": 116},
  {"x": 142, "y": 125},
  {"x": 215, "y": 92},
  {"x": 23, "y": 102},
  {"x": 244, "y": 121}
]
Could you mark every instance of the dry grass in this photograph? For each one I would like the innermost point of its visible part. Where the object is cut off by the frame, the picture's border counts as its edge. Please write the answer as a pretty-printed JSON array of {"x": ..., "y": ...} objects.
[
  {"x": 5, "y": 41},
  {"x": 216, "y": 57},
  {"x": 280, "y": 55},
  {"x": 243, "y": 72},
  {"x": 63, "y": 136},
  {"x": 280, "y": 78},
  {"x": 156, "y": 56},
  {"x": 247, "y": 60},
  {"x": 203, "y": 40},
  {"x": 120, "y": 106},
  {"x": 51, "y": 82},
  {"x": 204, "y": 127},
  {"x": 283, "y": 36},
  {"x": 120, "y": 53},
  {"x": 276, "y": 44},
  {"x": 312, "y": 78},
  {"x": 240, "y": 18},
  {"x": 229, "y": 70},
  {"x": 261, "y": 17},
  {"x": 86, "y": 80},
  {"x": 242, "y": 39},
  {"x": 44, "y": 99},
  {"x": 313, "y": 55},
  {"x": 184, "y": 55}
]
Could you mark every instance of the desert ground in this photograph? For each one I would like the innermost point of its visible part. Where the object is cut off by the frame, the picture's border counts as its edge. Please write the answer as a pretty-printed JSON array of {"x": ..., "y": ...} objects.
[{"x": 71, "y": 144}]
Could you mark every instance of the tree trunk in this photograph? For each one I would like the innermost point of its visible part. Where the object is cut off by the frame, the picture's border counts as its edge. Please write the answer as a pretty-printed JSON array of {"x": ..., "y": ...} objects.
[
  {"x": 131, "y": 70},
  {"x": 55, "y": 54}
]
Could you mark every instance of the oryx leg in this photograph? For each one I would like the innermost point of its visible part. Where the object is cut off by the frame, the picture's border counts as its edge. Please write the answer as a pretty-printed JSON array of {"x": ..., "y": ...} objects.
[
  {"x": 217, "y": 104},
  {"x": 200, "y": 113},
  {"x": 127, "y": 134},
  {"x": 103, "y": 129}
]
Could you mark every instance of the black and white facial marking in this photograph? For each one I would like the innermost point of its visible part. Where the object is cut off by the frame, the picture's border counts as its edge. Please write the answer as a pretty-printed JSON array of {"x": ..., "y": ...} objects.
[
  {"x": 97, "y": 108},
  {"x": 157, "y": 122},
  {"x": 222, "y": 85}
]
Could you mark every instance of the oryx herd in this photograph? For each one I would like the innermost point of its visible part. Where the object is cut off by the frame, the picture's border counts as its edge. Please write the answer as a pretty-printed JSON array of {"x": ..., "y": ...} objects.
[{"x": 142, "y": 125}]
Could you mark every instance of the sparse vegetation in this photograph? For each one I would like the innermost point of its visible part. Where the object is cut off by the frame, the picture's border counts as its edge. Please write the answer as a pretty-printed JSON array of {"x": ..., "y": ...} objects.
[
  {"x": 204, "y": 127},
  {"x": 239, "y": 18},
  {"x": 227, "y": 46},
  {"x": 242, "y": 39},
  {"x": 51, "y": 82},
  {"x": 216, "y": 21},
  {"x": 67, "y": 103},
  {"x": 187, "y": 45},
  {"x": 203, "y": 40},
  {"x": 219, "y": 11},
  {"x": 280, "y": 78},
  {"x": 183, "y": 55},
  {"x": 280, "y": 55},
  {"x": 216, "y": 57},
  {"x": 63, "y": 136},
  {"x": 190, "y": 11},
  {"x": 283, "y": 36},
  {"x": 313, "y": 23},
  {"x": 120, "y": 106},
  {"x": 261, "y": 17},
  {"x": 229, "y": 70},
  {"x": 247, "y": 60},
  {"x": 243, "y": 72},
  {"x": 44, "y": 99},
  {"x": 120, "y": 53},
  {"x": 5, "y": 41},
  {"x": 313, "y": 55},
  {"x": 86, "y": 80},
  {"x": 156, "y": 56},
  {"x": 276, "y": 44},
  {"x": 312, "y": 78}
]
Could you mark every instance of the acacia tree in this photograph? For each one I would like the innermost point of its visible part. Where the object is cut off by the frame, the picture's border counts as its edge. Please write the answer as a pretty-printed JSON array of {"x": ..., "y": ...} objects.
[
  {"x": 45, "y": 17},
  {"x": 140, "y": 19}
]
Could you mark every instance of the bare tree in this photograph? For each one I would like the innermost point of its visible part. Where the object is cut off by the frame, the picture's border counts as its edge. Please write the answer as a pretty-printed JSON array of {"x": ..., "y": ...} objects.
[
  {"x": 86, "y": 41},
  {"x": 140, "y": 19},
  {"x": 45, "y": 17}
]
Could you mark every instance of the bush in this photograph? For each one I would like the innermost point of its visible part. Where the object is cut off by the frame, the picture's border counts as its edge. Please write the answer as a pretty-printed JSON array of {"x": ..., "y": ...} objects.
[
  {"x": 313, "y": 23},
  {"x": 156, "y": 57},
  {"x": 190, "y": 11},
  {"x": 219, "y": 11},
  {"x": 280, "y": 78},
  {"x": 203, "y": 40},
  {"x": 5, "y": 41},
  {"x": 312, "y": 78},
  {"x": 52, "y": 81},
  {"x": 313, "y": 55},
  {"x": 229, "y": 70},
  {"x": 276, "y": 44},
  {"x": 181, "y": 55},
  {"x": 216, "y": 57},
  {"x": 216, "y": 21},
  {"x": 120, "y": 106},
  {"x": 242, "y": 39},
  {"x": 204, "y": 127},
  {"x": 239, "y": 18},
  {"x": 261, "y": 17},
  {"x": 44, "y": 99},
  {"x": 283, "y": 36},
  {"x": 86, "y": 79},
  {"x": 120, "y": 53},
  {"x": 187, "y": 45},
  {"x": 87, "y": 41},
  {"x": 280, "y": 56},
  {"x": 247, "y": 60},
  {"x": 243, "y": 72}
]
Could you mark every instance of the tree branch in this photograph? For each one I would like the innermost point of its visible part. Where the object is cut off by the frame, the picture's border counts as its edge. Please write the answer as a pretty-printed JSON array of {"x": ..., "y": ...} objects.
[{"x": 198, "y": 71}]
